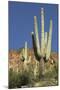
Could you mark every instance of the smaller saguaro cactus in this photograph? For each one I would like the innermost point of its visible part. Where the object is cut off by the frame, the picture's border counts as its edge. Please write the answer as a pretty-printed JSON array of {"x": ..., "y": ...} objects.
[
  {"x": 42, "y": 53},
  {"x": 25, "y": 57},
  {"x": 25, "y": 51},
  {"x": 23, "y": 54}
]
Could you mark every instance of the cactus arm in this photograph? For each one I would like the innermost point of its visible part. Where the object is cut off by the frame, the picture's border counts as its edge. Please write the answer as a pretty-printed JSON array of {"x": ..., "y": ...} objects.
[
  {"x": 35, "y": 47},
  {"x": 42, "y": 31},
  {"x": 26, "y": 58},
  {"x": 46, "y": 38},
  {"x": 49, "y": 41},
  {"x": 36, "y": 34},
  {"x": 24, "y": 53},
  {"x": 34, "y": 44}
]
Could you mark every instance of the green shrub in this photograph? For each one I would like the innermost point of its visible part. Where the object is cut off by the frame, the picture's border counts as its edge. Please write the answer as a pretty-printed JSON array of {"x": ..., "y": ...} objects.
[
  {"x": 16, "y": 80},
  {"x": 23, "y": 79},
  {"x": 12, "y": 79}
]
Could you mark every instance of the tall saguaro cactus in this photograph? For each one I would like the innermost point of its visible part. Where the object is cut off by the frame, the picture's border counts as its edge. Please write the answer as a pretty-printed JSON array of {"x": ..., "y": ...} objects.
[{"x": 42, "y": 53}]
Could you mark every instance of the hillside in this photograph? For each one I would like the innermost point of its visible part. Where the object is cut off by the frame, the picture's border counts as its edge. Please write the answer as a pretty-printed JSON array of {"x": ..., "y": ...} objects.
[
  {"x": 18, "y": 77},
  {"x": 15, "y": 58}
]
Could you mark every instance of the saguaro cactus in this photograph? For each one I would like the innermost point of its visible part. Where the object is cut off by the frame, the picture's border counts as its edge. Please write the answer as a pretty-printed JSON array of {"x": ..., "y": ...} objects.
[
  {"x": 25, "y": 57},
  {"x": 25, "y": 50},
  {"x": 42, "y": 53}
]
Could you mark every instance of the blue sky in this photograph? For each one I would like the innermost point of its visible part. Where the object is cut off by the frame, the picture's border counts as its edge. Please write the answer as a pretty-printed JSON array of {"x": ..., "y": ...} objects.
[{"x": 21, "y": 23}]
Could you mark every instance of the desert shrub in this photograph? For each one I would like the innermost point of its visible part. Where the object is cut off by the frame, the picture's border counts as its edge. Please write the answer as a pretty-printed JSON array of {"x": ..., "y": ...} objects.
[
  {"x": 12, "y": 79},
  {"x": 23, "y": 79},
  {"x": 16, "y": 80},
  {"x": 51, "y": 71},
  {"x": 56, "y": 70}
]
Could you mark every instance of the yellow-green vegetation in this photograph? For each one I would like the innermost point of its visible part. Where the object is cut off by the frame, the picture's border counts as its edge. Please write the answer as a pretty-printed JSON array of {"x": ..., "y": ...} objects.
[{"x": 27, "y": 78}]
